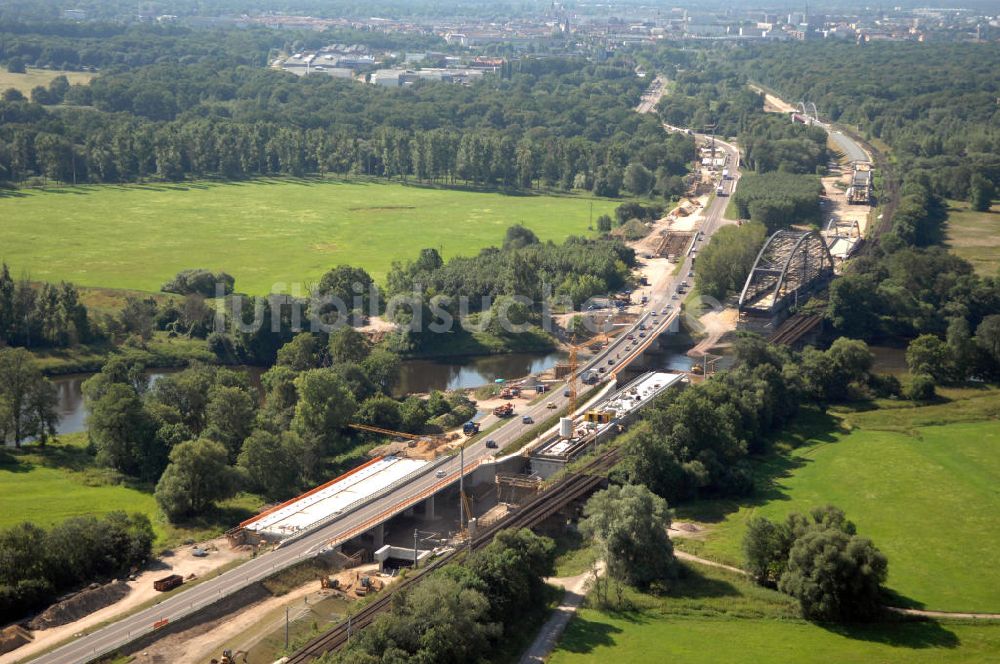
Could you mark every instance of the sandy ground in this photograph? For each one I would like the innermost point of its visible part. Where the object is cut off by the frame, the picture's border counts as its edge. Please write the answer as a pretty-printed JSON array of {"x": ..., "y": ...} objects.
[
  {"x": 180, "y": 562},
  {"x": 244, "y": 629},
  {"x": 715, "y": 325},
  {"x": 837, "y": 206}
]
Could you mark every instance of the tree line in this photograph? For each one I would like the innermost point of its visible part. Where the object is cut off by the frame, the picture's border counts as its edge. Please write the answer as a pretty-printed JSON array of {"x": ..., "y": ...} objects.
[
  {"x": 39, "y": 564},
  {"x": 556, "y": 122},
  {"x": 777, "y": 200}
]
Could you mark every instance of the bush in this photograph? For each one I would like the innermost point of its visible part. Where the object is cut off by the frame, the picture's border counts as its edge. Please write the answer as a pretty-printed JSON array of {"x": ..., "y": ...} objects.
[
  {"x": 199, "y": 281},
  {"x": 920, "y": 388}
]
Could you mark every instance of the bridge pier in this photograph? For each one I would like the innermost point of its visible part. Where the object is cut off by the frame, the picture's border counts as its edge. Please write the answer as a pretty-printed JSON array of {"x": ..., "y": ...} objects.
[
  {"x": 378, "y": 536},
  {"x": 429, "y": 514}
]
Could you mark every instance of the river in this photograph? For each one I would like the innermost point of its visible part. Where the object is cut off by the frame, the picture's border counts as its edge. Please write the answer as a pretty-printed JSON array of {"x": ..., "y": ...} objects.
[{"x": 416, "y": 376}]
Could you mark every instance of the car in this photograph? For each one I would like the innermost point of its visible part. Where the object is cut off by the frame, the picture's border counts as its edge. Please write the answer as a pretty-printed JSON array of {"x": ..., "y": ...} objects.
[
  {"x": 551, "y": 405},
  {"x": 566, "y": 393},
  {"x": 691, "y": 273},
  {"x": 642, "y": 335},
  {"x": 630, "y": 337},
  {"x": 668, "y": 307},
  {"x": 527, "y": 419},
  {"x": 492, "y": 444},
  {"x": 684, "y": 283},
  {"x": 601, "y": 370},
  {"x": 611, "y": 361},
  {"x": 439, "y": 474},
  {"x": 674, "y": 296}
]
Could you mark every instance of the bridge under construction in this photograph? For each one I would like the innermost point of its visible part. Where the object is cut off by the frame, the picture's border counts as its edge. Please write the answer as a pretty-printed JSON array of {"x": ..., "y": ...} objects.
[{"x": 791, "y": 265}]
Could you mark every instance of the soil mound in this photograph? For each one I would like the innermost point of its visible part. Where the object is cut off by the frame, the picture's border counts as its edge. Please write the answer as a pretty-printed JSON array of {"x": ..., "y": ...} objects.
[{"x": 83, "y": 603}]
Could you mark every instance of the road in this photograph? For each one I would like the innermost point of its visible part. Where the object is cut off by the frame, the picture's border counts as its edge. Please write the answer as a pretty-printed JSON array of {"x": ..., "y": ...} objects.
[
  {"x": 847, "y": 145},
  {"x": 364, "y": 517}
]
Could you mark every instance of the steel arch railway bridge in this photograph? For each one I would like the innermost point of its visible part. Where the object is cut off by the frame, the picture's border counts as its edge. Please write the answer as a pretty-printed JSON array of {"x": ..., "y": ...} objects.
[{"x": 789, "y": 265}]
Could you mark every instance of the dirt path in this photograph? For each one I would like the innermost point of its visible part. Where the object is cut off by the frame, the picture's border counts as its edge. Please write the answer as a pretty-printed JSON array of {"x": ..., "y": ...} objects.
[
  {"x": 548, "y": 636},
  {"x": 716, "y": 324}
]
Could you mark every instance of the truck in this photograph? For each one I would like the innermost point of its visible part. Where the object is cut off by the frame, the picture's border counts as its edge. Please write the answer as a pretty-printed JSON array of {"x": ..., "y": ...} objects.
[
  {"x": 506, "y": 410},
  {"x": 470, "y": 428},
  {"x": 168, "y": 582},
  {"x": 720, "y": 191},
  {"x": 725, "y": 173}
]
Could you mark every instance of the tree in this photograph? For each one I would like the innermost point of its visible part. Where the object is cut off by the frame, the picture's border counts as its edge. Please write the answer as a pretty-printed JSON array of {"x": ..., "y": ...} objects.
[
  {"x": 835, "y": 576},
  {"x": 980, "y": 193},
  {"x": 519, "y": 236},
  {"x": 27, "y": 399},
  {"x": 124, "y": 434},
  {"x": 15, "y": 65},
  {"x": 854, "y": 306},
  {"x": 920, "y": 388},
  {"x": 988, "y": 337},
  {"x": 270, "y": 463},
  {"x": 630, "y": 525},
  {"x": 765, "y": 549},
  {"x": 604, "y": 224},
  {"x": 931, "y": 356},
  {"x": 348, "y": 287},
  {"x": 380, "y": 411},
  {"x": 197, "y": 476},
  {"x": 229, "y": 417},
  {"x": 301, "y": 353},
  {"x": 512, "y": 568},
  {"x": 325, "y": 406},
  {"x": 382, "y": 367},
  {"x": 348, "y": 345},
  {"x": 638, "y": 179}
]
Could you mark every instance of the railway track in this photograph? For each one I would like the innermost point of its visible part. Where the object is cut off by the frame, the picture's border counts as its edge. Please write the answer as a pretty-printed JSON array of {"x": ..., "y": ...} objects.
[
  {"x": 535, "y": 511},
  {"x": 794, "y": 328}
]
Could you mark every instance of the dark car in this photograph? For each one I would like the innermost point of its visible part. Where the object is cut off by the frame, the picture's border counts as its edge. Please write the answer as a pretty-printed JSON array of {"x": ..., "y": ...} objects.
[{"x": 492, "y": 444}]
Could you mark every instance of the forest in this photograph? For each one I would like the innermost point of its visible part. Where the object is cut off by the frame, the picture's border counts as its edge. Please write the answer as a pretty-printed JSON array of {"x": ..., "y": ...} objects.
[{"x": 556, "y": 122}]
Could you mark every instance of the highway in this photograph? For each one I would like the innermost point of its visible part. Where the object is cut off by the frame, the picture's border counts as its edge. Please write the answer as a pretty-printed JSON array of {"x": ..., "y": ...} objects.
[{"x": 366, "y": 516}]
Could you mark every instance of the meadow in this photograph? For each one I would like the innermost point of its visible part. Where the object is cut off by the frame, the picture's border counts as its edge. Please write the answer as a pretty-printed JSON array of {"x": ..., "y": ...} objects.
[
  {"x": 46, "y": 485},
  {"x": 263, "y": 232},
  {"x": 975, "y": 236},
  {"x": 34, "y": 77},
  {"x": 919, "y": 481},
  {"x": 716, "y": 617}
]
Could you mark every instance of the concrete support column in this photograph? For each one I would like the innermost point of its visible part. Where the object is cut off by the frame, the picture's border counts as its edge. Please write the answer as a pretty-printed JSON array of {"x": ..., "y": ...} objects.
[
  {"x": 378, "y": 534},
  {"x": 429, "y": 513}
]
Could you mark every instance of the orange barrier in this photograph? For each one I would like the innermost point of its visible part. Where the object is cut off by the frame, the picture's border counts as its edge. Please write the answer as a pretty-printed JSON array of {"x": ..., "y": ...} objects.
[
  {"x": 309, "y": 492},
  {"x": 160, "y": 623}
]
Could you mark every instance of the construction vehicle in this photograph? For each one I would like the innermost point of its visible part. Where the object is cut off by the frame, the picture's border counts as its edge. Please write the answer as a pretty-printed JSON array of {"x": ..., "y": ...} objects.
[
  {"x": 168, "y": 582},
  {"x": 366, "y": 585},
  {"x": 229, "y": 656},
  {"x": 506, "y": 410},
  {"x": 329, "y": 583},
  {"x": 470, "y": 428},
  {"x": 598, "y": 416}
]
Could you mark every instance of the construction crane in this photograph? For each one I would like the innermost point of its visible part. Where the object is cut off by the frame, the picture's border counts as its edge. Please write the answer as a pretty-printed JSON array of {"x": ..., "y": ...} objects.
[{"x": 398, "y": 434}]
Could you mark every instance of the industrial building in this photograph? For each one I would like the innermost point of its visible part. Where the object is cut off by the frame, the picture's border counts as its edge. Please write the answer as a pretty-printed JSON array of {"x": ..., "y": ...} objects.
[{"x": 604, "y": 419}]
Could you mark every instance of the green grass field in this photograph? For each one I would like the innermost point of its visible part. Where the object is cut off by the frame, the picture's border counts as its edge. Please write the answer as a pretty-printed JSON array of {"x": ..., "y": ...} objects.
[
  {"x": 716, "y": 617},
  {"x": 46, "y": 486},
  {"x": 920, "y": 482},
  {"x": 975, "y": 236},
  {"x": 262, "y": 232},
  {"x": 35, "y": 77}
]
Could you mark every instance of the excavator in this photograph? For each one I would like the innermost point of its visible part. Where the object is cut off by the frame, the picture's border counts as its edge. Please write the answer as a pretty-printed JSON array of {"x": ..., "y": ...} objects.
[{"x": 229, "y": 657}]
